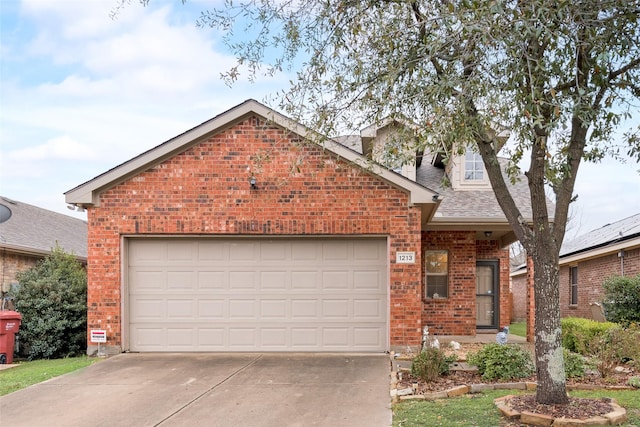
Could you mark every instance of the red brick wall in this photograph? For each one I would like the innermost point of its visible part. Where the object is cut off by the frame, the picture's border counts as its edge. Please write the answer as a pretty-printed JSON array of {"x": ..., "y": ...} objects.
[
  {"x": 519, "y": 292},
  {"x": 12, "y": 263},
  {"x": 591, "y": 275},
  {"x": 205, "y": 190},
  {"x": 456, "y": 315}
]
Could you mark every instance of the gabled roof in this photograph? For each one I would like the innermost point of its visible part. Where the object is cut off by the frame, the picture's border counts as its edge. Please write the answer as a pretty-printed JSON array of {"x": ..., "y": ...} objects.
[
  {"x": 607, "y": 238},
  {"x": 35, "y": 231},
  {"x": 87, "y": 194},
  {"x": 478, "y": 204},
  {"x": 476, "y": 208}
]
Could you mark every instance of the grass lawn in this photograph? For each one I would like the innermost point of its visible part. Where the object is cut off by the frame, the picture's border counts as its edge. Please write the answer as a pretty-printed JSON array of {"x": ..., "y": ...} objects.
[
  {"x": 478, "y": 410},
  {"x": 28, "y": 373},
  {"x": 518, "y": 328}
]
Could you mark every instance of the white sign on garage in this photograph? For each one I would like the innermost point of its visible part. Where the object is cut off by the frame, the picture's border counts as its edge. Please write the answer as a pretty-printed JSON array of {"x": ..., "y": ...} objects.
[{"x": 257, "y": 294}]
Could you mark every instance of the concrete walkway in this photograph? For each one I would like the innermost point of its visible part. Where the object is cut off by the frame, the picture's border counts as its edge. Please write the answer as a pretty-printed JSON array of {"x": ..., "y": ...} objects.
[{"x": 202, "y": 389}]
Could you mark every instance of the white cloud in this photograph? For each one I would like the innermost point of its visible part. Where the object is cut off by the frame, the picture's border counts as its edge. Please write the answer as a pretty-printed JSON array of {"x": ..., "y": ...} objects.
[{"x": 63, "y": 147}]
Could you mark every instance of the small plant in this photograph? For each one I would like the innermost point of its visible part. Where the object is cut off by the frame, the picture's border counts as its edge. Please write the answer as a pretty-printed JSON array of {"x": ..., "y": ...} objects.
[
  {"x": 634, "y": 382},
  {"x": 431, "y": 363},
  {"x": 573, "y": 364},
  {"x": 502, "y": 362}
]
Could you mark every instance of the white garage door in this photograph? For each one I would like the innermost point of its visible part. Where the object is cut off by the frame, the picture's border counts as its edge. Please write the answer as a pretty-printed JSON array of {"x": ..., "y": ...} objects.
[{"x": 204, "y": 294}]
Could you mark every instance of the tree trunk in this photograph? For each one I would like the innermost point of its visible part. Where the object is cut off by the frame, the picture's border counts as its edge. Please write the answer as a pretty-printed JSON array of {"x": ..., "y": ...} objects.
[{"x": 548, "y": 343}]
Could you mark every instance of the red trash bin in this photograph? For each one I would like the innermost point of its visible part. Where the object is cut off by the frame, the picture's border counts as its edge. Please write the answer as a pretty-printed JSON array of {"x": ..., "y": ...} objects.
[{"x": 9, "y": 325}]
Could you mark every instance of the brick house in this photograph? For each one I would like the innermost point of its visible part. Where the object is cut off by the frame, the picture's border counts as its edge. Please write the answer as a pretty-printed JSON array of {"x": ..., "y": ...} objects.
[
  {"x": 28, "y": 233},
  {"x": 585, "y": 262},
  {"x": 242, "y": 234}
]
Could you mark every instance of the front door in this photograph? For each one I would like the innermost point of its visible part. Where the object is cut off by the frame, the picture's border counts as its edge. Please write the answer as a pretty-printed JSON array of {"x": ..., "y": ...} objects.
[{"x": 487, "y": 295}]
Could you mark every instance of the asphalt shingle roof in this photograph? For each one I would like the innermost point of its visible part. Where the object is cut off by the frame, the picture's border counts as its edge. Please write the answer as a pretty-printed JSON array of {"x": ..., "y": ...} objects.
[
  {"x": 472, "y": 203},
  {"x": 31, "y": 228},
  {"x": 611, "y": 233}
]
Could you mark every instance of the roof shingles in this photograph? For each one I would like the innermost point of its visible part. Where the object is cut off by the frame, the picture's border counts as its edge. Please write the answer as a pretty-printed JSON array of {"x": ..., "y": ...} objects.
[{"x": 37, "y": 230}]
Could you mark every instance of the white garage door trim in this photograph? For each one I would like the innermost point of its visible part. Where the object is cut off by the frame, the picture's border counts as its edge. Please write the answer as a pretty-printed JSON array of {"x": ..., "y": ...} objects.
[{"x": 256, "y": 294}]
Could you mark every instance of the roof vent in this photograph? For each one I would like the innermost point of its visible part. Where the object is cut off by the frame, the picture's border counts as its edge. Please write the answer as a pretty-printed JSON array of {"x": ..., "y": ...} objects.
[{"x": 5, "y": 213}]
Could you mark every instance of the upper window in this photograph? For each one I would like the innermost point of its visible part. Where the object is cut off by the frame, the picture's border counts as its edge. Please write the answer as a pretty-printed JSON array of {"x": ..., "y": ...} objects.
[
  {"x": 473, "y": 169},
  {"x": 573, "y": 280},
  {"x": 436, "y": 274}
]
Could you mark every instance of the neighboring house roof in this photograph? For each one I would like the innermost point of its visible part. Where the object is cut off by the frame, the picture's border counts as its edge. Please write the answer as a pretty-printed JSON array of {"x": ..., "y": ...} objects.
[
  {"x": 35, "y": 231},
  {"x": 617, "y": 236},
  {"x": 87, "y": 194},
  {"x": 623, "y": 234}
]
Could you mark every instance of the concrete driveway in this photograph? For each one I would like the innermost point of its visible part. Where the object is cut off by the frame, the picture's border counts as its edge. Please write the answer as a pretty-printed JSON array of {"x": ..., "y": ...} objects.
[{"x": 202, "y": 389}]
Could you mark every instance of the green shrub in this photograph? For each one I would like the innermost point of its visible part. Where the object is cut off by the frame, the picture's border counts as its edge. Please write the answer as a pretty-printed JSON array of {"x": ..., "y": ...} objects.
[
  {"x": 578, "y": 333},
  {"x": 52, "y": 299},
  {"x": 431, "y": 363},
  {"x": 573, "y": 364},
  {"x": 615, "y": 346},
  {"x": 502, "y": 362},
  {"x": 622, "y": 299},
  {"x": 634, "y": 382}
]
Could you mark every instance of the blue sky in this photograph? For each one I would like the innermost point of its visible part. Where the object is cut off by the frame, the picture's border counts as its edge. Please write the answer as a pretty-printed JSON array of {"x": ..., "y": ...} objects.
[{"x": 81, "y": 93}]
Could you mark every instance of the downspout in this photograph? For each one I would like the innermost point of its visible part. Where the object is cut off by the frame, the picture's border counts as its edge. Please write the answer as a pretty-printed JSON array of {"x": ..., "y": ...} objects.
[{"x": 621, "y": 256}]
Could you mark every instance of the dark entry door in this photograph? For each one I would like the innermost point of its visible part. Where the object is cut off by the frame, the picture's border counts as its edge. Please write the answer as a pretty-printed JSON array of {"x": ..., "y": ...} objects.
[{"x": 487, "y": 295}]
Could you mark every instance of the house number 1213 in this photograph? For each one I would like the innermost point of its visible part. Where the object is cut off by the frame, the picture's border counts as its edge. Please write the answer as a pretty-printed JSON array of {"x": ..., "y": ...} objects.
[{"x": 405, "y": 257}]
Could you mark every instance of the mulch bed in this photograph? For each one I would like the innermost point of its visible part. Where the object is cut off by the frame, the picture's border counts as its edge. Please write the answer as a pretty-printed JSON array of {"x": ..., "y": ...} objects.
[{"x": 577, "y": 408}]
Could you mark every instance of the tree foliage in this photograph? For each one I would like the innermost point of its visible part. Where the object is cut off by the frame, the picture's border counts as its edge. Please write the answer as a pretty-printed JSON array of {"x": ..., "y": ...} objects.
[{"x": 52, "y": 299}]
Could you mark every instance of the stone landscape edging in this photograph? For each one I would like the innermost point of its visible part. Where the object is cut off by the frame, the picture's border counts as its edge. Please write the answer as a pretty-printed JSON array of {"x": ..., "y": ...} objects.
[
  {"x": 409, "y": 393},
  {"x": 616, "y": 417}
]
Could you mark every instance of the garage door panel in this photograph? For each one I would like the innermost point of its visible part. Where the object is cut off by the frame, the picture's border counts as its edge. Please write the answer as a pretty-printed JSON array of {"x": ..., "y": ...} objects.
[
  {"x": 211, "y": 338},
  {"x": 143, "y": 309},
  {"x": 362, "y": 251},
  {"x": 243, "y": 251},
  {"x": 242, "y": 338},
  {"x": 274, "y": 308},
  {"x": 274, "y": 280},
  {"x": 364, "y": 309},
  {"x": 181, "y": 338},
  {"x": 274, "y": 251},
  {"x": 180, "y": 251},
  {"x": 335, "y": 280},
  {"x": 367, "y": 280},
  {"x": 305, "y": 308},
  {"x": 181, "y": 280},
  {"x": 211, "y": 279},
  {"x": 211, "y": 309},
  {"x": 335, "y": 308},
  {"x": 242, "y": 309},
  {"x": 305, "y": 280},
  {"x": 335, "y": 251},
  {"x": 307, "y": 250},
  {"x": 243, "y": 280},
  {"x": 180, "y": 309},
  {"x": 212, "y": 251},
  {"x": 257, "y": 295},
  {"x": 336, "y": 337},
  {"x": 153, "y": 280},
  {"x": 367, "y": 337}
]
